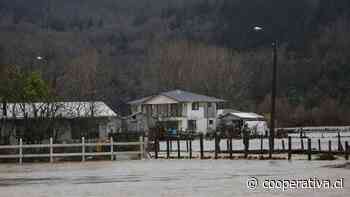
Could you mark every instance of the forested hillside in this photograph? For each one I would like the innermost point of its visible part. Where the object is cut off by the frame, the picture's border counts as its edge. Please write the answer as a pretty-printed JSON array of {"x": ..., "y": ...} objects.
[{"x": 118, "y": 50}]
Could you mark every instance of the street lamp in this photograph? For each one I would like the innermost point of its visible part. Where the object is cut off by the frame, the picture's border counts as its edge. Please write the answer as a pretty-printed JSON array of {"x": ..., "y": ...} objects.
[{"x": 273, "y": 94}]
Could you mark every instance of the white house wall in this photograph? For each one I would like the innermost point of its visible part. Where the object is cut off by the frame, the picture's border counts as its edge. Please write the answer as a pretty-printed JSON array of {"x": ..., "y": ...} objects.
[{"x": 199, "y": 115}]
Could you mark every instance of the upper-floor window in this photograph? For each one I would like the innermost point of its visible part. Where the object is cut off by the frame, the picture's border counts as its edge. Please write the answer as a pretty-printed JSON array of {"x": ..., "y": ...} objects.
[
  {"x": 219, "y": 106},
  {"x": 195, "y": 106}
]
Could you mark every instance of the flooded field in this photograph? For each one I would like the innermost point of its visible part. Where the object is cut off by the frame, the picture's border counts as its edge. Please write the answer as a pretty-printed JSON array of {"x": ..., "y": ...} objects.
[{"x": 164, "y": 178}]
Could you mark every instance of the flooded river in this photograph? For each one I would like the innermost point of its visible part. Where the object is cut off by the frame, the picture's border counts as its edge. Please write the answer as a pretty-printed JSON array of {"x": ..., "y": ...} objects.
[{"x": 164, "y": 178}]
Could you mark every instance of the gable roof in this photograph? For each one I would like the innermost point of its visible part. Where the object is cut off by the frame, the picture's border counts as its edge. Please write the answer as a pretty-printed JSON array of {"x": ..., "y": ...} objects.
[
  {"x": 180, "y": 96},
  {"x": 69, "y": 110}
]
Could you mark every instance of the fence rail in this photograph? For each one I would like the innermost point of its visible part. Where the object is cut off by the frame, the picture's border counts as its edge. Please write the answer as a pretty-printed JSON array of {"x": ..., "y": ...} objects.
[{"x": 113, "y": 149}]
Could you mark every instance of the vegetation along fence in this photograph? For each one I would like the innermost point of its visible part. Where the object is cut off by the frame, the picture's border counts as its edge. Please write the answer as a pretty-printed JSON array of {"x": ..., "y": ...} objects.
[{"x": 109, "y": 148}]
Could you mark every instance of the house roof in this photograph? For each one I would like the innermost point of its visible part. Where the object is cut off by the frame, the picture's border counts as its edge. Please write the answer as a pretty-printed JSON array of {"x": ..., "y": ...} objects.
[
  {"x": 67, "y": 110},
  {"x": 244, "y": 115},
  {"x": 180, "y": 96}
]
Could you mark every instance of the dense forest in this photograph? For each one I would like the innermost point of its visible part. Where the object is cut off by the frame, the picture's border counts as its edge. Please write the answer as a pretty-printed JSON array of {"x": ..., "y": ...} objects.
[{"x": 117, "y": 50}]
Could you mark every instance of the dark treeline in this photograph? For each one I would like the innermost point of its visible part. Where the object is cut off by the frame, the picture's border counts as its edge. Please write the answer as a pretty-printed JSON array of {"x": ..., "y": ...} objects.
[{"x": 117, "y": 50}]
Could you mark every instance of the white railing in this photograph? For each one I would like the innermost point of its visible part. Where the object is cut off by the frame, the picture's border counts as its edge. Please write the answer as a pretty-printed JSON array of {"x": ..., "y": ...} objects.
[{"x": 51, "y": 154}]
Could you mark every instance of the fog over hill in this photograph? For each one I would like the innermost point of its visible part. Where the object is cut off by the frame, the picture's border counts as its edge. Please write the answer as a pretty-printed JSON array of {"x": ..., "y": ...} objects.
[{"x": 117, "y": 50}]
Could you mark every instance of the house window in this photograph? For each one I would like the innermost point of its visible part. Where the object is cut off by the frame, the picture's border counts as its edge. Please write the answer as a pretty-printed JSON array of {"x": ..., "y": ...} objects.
[
  {"x": 211, "y": 122},
  {"x": 219, "y": 106},
  {"x": 192, "y": 125},
  {"x": 209, "y": 104},
  {"x": 195, "y": 106}
]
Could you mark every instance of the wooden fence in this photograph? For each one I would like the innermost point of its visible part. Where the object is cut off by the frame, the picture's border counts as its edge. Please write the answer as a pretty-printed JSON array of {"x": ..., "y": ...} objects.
[
  {"x": 286, "y": 148},
  {"x": 113, "y": 149}
]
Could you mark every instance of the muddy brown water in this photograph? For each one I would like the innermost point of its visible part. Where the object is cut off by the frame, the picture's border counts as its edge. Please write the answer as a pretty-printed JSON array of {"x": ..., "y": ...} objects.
[{"x": 164, "y": 178}]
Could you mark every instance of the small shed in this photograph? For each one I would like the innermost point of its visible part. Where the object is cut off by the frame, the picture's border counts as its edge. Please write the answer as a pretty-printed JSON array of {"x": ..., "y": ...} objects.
[{"x": 233, "y": 118}]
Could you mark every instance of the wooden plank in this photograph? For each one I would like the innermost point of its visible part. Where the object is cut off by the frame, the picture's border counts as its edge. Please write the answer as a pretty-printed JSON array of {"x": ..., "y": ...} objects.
[
  {"x": 167, "y": 148},
  {"x": 156, "y": 143},
  {"x": 66, "y": 154},
  {"x": 51, "y": 150},
  {"x": 142, "y": 148},
  {"x": 20, "y": 151},
  {"x": 178, "y": 148},
  {"x": 127, "y": 152},
  {"x": 216, "y": 146},
  {"x": 9, "y": 156},
  {"x": 98, "y": 144},
  {"x": 309, "y": 148},
  {"x": 97, "y": 153},
  {"x": 83, "y": 149},
  {"x": 319, "y": 145},
  {"x": 35, "y": 145},
  {"x": 230, "y": 140},
  {"x": 9, "y": 146},
  {"x": 67, "y": 145},
  {"x": 111, "y": 148},
  {"x": 190, "y": 141},
  {"x": 289, "y": 148},
  {"x": 347, "y": 150},
  {"x": 35, "y": 155},
  {"x": 201, "y": 146}
]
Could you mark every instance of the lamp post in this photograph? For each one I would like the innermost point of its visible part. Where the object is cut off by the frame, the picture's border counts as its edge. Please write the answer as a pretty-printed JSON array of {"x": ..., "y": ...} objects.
[{"x": 273, "y": 94}]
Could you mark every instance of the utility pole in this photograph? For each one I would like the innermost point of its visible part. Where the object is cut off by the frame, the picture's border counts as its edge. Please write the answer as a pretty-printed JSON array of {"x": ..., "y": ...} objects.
[{"x": 273, "y": 99}]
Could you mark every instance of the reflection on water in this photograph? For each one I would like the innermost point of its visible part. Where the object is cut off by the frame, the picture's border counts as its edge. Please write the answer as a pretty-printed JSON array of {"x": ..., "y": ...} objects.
[{"x": 155, "y": 178}]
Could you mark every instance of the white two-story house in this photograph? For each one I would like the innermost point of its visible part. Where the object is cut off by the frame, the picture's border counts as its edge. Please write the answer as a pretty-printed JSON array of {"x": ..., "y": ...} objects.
[{"x": 180, "y": 110}]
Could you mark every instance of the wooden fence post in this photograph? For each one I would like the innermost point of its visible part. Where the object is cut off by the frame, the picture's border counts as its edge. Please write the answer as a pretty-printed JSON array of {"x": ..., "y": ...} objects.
[
  {"x": 289, "y": 147},
  {"x": 231, "y": 152},
  {"x": 340, "y": 148},
  {"x": 216, "y": 146},
  {"x": 156, "y": 143},
  {"x": 309, "y": 148},
  {"x": 227, "y": 144},
  {"x": 319, "y": 145},
  {"x": 178, "y": 147},
  {"x": 51, "y": 150},
  {"x": 347, "y": 150},
  {"x": 201, "y": 146},
  {"x": 187, "y": 145},
  {"x": 112, "y": 148},
  {"x": 190, "y": 140},
  {"x": 261, "y": 146},
  {"x": 302, "y": 144},
  {"x": 20, "y": 151},
  {"x": 167, "y": 148},
  {"x": 82, "y": 148},
  {"x": 142, "y": 148},
  {"x": 245, "y": 143}
]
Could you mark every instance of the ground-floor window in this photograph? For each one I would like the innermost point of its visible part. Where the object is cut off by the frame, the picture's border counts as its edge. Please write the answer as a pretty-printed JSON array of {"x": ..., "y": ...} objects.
[
  {"x": 192, "y": 124},
  {"x": 211, "y": 122}
]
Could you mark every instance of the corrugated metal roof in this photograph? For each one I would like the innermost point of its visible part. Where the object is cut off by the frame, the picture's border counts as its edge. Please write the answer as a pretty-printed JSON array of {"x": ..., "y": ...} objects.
[
  {"x": 243, "y": 115},
  {"x": 68, "y": 110},
  {"x": 247, "y": 115},
  {"x": 181, "y": 96}
]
